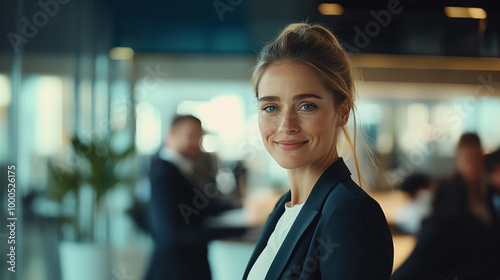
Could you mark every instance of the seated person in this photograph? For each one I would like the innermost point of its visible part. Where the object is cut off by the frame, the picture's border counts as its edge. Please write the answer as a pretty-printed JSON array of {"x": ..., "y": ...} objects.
[{"x": 409, "y": 217}]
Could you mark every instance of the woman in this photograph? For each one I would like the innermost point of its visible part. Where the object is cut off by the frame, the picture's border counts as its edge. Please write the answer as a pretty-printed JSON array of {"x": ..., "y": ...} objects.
[{"x": 326, "y": 226}]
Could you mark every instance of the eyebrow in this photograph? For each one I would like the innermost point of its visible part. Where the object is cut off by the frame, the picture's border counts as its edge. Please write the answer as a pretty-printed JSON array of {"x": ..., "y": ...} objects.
[{"x": 294, "y": 98}]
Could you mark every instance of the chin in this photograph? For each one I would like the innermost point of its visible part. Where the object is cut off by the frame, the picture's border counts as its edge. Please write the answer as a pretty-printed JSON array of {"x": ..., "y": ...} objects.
[{"x": 288, "y": 162}]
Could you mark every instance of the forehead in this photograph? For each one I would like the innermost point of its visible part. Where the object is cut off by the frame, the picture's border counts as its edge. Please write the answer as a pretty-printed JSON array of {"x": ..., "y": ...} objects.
[
  {"x": 469, "y": 150},
  {"x": 188, "y": 125},
  {"x": 288, "y": 79}
]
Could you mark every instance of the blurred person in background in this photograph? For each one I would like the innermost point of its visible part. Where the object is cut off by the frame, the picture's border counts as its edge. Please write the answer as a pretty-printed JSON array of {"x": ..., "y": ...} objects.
[
  {"x": 183, "y": 196},
  {"x": 410, "y": 216},
  {"x": 326, "y": 226},
  {"x": 465, "y": 192},
  {"x": 493, "y": 177},
  {"x": 460, "y": 239}
]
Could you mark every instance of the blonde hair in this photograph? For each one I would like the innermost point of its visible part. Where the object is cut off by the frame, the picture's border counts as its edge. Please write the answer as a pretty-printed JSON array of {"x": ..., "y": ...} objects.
[{"x": 315, "y": 46}]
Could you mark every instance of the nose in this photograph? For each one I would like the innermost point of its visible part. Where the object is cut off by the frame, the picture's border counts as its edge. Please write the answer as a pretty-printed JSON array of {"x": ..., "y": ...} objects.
[{"x": 289, "y": 124}]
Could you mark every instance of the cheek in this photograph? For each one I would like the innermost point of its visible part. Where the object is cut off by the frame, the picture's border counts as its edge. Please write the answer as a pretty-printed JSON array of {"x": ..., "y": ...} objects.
[
  {"x": 265, "y": 127},
  {"x": 323, "y": 126}
]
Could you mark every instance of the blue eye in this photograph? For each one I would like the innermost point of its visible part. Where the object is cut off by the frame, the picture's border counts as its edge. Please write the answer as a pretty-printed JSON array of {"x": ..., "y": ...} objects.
[
  {"x": 308, "y": 107},
  {"x": 270, "y": 108}
]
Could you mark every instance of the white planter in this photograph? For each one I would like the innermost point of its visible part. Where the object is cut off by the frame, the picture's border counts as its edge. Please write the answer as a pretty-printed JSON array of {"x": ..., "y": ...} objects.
[{"x": 84, "y": 261}]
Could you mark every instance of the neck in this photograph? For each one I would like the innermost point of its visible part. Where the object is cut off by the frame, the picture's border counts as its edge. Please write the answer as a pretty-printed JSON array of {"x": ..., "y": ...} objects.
[{"x": 303, "y": 179}]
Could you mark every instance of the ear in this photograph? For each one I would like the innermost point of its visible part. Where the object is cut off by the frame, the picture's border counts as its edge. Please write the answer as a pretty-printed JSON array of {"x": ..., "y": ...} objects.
[{"x": 344, "y": 112}]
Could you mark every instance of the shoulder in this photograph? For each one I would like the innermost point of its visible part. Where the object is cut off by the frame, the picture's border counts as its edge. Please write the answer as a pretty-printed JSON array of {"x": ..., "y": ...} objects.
[
  {"x": 161, "y": 168},
  {"x": 355, "y": 222},
  {"x": 348, "y": 194},
  {"x": 349, "y": 208},
  {"x": 450, "y": 182},
  {"x": 158, "y": 162},
  {"x": 450, "y": 189}
]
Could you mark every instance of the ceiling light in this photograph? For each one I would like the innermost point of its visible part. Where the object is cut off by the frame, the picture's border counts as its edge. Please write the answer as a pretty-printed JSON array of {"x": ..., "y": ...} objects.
[
  {"x": 121, "y": 53},
  {"x": 462, "y": 12},
  {"x": 330, "y": 9}
]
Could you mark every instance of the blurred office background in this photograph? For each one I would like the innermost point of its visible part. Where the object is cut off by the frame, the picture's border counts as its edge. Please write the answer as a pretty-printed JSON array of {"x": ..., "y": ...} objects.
[{"x": 90, "y": 69}]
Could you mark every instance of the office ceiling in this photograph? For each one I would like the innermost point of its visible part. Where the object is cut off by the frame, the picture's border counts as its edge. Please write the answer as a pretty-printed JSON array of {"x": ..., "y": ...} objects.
[{"x": 243, "y": 26}]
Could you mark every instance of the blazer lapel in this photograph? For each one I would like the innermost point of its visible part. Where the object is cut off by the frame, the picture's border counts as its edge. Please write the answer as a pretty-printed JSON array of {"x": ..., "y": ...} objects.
[
  {"x": 334, "y": 174},
  {"x": 305, "y": 218},
  {"x": 267, "y": 231}
]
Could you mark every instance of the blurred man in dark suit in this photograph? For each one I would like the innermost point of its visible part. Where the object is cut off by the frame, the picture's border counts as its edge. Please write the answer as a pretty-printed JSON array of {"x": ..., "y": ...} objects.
[{"x": 183, "y": 195}]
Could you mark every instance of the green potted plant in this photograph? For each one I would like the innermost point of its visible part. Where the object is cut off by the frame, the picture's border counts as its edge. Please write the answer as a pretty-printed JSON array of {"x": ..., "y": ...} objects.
[{"x": 96, "y": 171}]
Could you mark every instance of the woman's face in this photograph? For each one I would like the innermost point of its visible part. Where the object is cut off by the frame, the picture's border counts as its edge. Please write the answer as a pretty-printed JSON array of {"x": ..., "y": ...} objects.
[
  {"x": 470, "y": 162},
  {"x": 297, "y": 117}
]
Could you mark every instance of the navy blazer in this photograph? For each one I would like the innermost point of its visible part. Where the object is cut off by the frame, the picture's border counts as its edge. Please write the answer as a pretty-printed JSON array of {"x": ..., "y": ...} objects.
[{"x": 340, "y": 233}]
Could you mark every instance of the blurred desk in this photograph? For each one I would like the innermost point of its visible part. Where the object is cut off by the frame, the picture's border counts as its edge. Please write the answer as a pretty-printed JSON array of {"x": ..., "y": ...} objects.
[
  {"x": 403, "y": 246},
  {"x": 391, "y": 202},
  {"x": 228, "y": 257}
]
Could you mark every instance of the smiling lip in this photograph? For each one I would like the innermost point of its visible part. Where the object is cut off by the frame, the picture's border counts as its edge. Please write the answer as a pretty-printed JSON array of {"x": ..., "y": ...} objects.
[{"x": 290, "y": 145}]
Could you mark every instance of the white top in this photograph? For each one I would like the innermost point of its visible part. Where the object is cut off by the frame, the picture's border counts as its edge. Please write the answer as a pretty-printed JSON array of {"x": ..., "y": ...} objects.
[{"x": 266, "y": 257}]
